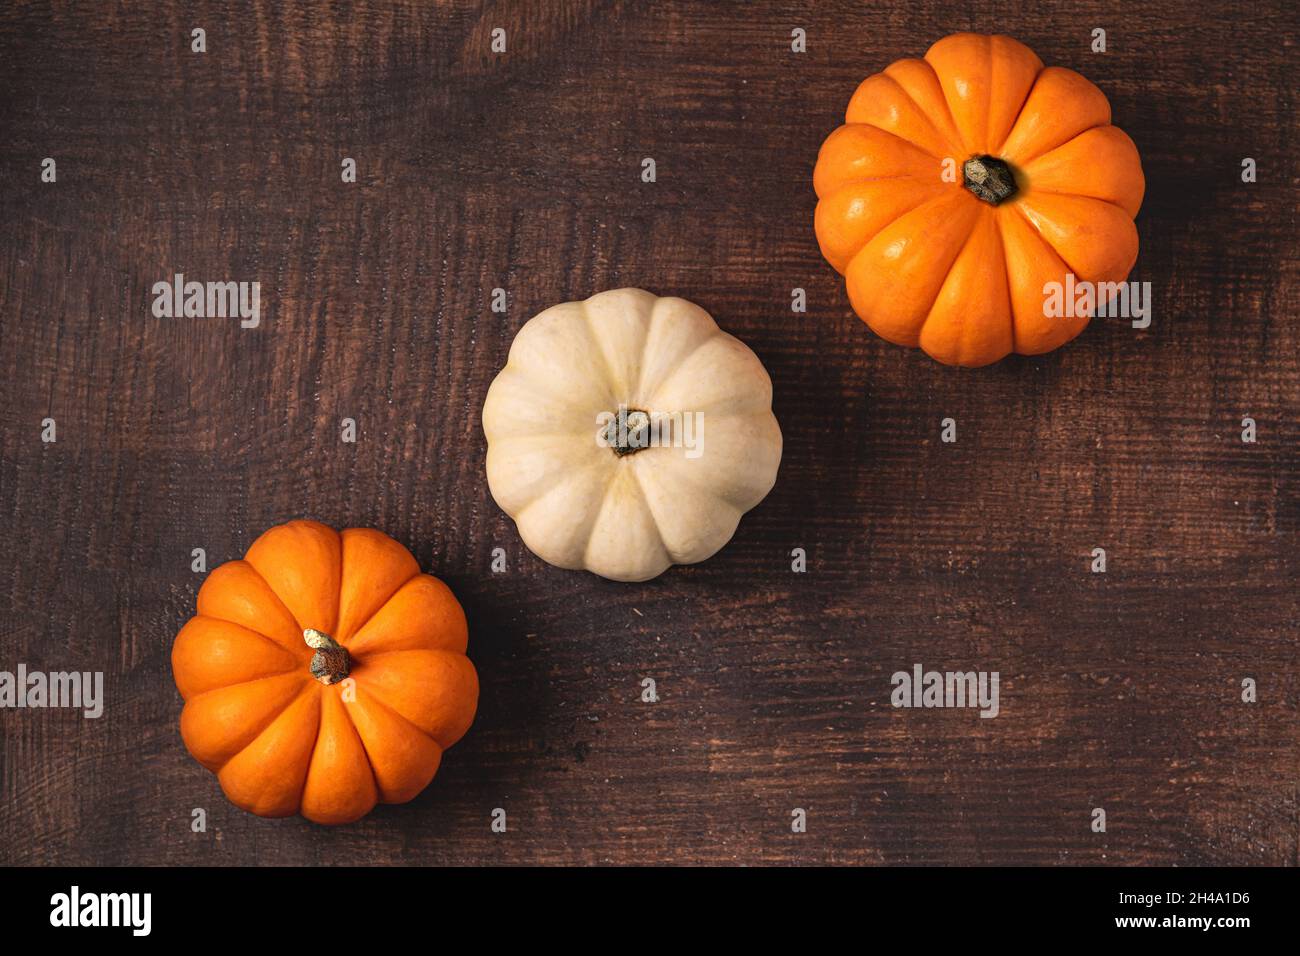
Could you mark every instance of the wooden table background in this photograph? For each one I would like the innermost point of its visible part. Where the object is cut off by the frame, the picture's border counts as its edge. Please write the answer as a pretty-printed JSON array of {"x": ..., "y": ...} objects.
[{"x": 1119, "y": 690}]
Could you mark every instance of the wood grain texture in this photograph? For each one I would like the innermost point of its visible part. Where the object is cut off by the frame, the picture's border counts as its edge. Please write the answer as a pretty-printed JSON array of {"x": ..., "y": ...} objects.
[{"x": 521, "y": 170}]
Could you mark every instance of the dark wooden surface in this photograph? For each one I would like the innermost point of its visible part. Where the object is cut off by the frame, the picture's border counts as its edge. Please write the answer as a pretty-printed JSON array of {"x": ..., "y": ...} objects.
[{"x": 522, "y": 170}]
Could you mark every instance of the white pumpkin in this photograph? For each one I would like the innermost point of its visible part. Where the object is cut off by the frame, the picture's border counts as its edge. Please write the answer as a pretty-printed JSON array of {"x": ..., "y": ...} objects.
[{"x": 628, "y": 433}]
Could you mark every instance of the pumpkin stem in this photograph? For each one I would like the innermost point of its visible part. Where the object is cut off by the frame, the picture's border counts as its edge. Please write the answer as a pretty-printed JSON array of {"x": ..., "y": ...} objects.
[
  {"x": 628, "y": 432},
  {"x": 989, "y": 178},
  {"x": 331, "y": 663}
]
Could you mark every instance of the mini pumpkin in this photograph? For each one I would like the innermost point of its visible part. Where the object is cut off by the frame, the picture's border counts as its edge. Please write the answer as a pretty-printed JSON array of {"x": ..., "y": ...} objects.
[
  {"x": 628, "y": 433},
  {"x": 323, "y": 674},
  {"x": 961, "y": 185}
]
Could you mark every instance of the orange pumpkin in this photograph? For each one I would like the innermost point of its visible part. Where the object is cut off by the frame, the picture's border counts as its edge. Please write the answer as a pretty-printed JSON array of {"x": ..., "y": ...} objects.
[
  {"x": 961, "y": 185},
  {"x": 323, "y": 673}
]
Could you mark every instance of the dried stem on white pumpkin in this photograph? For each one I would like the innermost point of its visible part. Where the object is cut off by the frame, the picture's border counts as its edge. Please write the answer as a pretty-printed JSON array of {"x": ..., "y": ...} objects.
[{"x": 628, "y": 432}]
